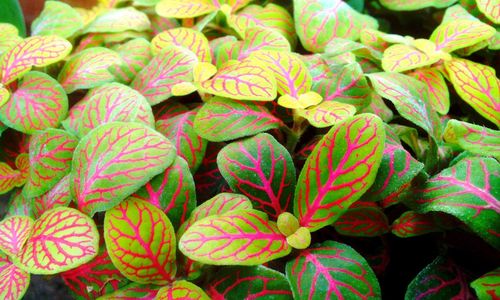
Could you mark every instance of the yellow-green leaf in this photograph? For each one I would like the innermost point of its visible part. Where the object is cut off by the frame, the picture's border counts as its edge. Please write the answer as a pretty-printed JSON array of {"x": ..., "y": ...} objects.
[
  {"x": 183, "y": 37},
  {"x": 460, "y": 33},
  {"x": 327, "y": 113},
  {"x": 184, "y": 9}
]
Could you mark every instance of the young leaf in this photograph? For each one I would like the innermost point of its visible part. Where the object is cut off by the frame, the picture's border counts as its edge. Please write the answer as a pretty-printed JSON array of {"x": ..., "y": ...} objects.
[
  {"x": 222, "y": 119},
  {"x": 136, "y": 55},
  {"x": 9, "y": 178},
  {"x": 113, "y": 161},
  {"x": 331, "y": 270},
  {"x": 57, "y": 18},
  {"x": 314, "y": 17},
  {"x": 119, "y": 20},
  {"x": 39, "y": 102},
  {"x": 38, "y": 51},
  {"x": 256, "y": 282},
  {"x": 362, "y": 219},
  {"x": 457, "y": 34},
  {"x": 411, "y": 224},
  {"x": 469, "y": 190},
  {"x": 441, "y": 279},
  {"x": 14, "y": 232},
  {"x": 473, "y": 138},
  {"x": 171, "y": 66},
  {"x": 59, "y": 195},
  {"x": 486, "y": 286},
  {"x": 261, "y": 169},
  {"x": 13, "y": 281},
  {"x": 191, "y": 39},
  {"x": 327, "y": 113},
  {"x": 241, "y": 237},
  {"x": 181, "y": 9},
  {"x": 181, "y": 289},
  {"x": 180, "y": 130},
  {"x": 51, "y": 152},
  {"x": 141, "y": 242},
  {"x": 62, "y": 238},
  {"x": 88, "y": 69},
  {"x": 477, "y": 85},
  {"x": 415, "y": 4},
  {"x": 439, "y": 96},
  {"x": 341, "y": 168}
]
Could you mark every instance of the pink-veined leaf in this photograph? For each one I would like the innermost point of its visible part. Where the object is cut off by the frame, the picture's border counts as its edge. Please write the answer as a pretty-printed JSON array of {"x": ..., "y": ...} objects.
[
  {"x": 380, "y": 40},
  {"x": 191, "y": 39},
  {"x": 134, "y": 291},
  {"x": 259, "y": 38},
  {"x": 57, "y": 18},
  {"x": 415, "y": 4},
  {"x": 136, "y": 55},
  {"x": 342, "y": 167},
  {"x": 36, "y": 51},
  {"x": 180, "y": 130},
  {"x": 241, "y": 237},
  {"x": 224, "y": 49},
  {"x": 181, "y": 289},
  {"x": 441, "y": 279},
  {"x": 246, "y": 80},
  {"x": 19, "y": 205},
  {"x": 141, "y": 242},
  {"x": 4, "y": 97},
  {"x": 23, "y": 165},
  {"x": 169, "y": 110},
  {"x": 62, "y": 238},
  {"x": 95, "y": 278},
  {"x": 400, "y": 58},
  {"x": 88, "y": 69},
  {"x": 172, "y": 191},
  {"x": 490, "y": 9},
  {"x": 487, "y": 286},
  {"x": 51, "y": 152},
  {"x": 378, "y": 107},
  {"x": 113, "y": 161},
  {"x": 327, "y": 113},
  {"x": 184, "y": 9},
  {"x": 439, "y": 96},
  {"x": 255, "y": 282},
  {"x": 14, "y": 232},
  {"x": 40, "y": 102},
  {"x": 331, "y": 270},
  {"x": 119, "y": 20},
  {"x": 222, "y": 119},
  {"x": 467, "y": 190},
  {"x": 260, "y": 168},
  {"x": 477, "y": 85},
  {"x": 411, "y": 224},
  {"x": 9, "y": 37},
  {"x": 473, "y": 138},
  {"x": 13, "y": 281},
  {"x": 319, "y": 21},
  {"x": 9, "y": 178},
  {"x": 457, "y": 34},
  {"x": 59, "y": 195},
  {"x": 171, "y": 66},
  {"x": 362, "y": 219},
  {"x": 208, "y": 179}
]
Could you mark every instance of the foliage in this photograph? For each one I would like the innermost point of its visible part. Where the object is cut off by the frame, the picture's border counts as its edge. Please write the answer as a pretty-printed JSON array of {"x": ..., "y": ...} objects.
[{"x": 164, "y": 149}]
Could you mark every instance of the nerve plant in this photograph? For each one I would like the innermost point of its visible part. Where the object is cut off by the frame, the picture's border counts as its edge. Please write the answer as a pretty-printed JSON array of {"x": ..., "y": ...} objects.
[{"x": 160, "y": 149}]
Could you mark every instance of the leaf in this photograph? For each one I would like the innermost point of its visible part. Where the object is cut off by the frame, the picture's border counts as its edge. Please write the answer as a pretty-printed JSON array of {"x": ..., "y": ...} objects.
[
  {"x": 362, "y": 219},
  {"x": 342, "y": 166},
  {"x": 14, "y": 232},
  {"x": 63, "y": 238},
  {"x": 208, "y": 180},
  {"x": 57, "y": 18},
  {"x": 9, "y": 178},
  {"x": 171, "y": 66},
  {"x": 19, "y": 205},
  {"x": 135, "y": 55},
  {"x": 11, "y": 12},
  {"x": 477, "y": 85},
  {"x": 88, "y": 69},
  {"x": 119, "y": 20},
  {"x": 95, "y": 278},
  {"x": 399, "y": 58},
  {"x": 486, "y": 286},
  {"x": 473, "y": 138},
  {"x": 260, "y": 168},
  {"x": 51, "y": 152},
  {"x": 327, "y": 113},
  {"x": 256, "y": 282},
  {"x": 181, "y": 289},
  {"x": 182, "y": 9},
  {"x": 141, "y": 242},
  {"x": 331, "y": 270},
  {"x": 9, "y": 37},
  {"x": 173, "y": 191},
  {"x": 241, "y": 237},
  {"x": 414, "y": 4},
  {"x": 439, "y": 96},
  {"x": 489, "y": 9},
  {"x": 13, "y": 281},
  {"x": 38, "y": 51},
  {"x": 222, "y": 119},
  {"x": 134, "y": 290},
  {"x": 411, "y": 224},
  {"x": 441, "y": 279},
  {"x": 260, "y": 38},
  {"x": 191, "y": 39},
  {"x": 246, "y": 80},
  {"x": 59, "y": 195},
  {"x": 38, "y": 103},
  {"x": 113, "y": 161},
  {"x": 469, "y": 191},
  {"x": 319, "y": 21},
  {"x": 159, "y": 24},
  {"x": 23, "y": 165},
  {"x": 410, "y": 98},
  {"x": 180, "y": 130},
  {"x": 457, "y": 34}
]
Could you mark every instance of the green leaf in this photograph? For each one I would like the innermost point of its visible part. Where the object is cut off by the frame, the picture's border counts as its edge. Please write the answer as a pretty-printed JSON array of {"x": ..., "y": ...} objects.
[
  {"x": 415, "y": 4},
  {"x": 191, "y": 39},
  {"x": 14, "y": 232},
  {"x": 13, "y": 281},
  {"x": 57, "y": 18},
  {"x": 119, "y": 20},
  {"x": 135, "y": 55},
  {"x": 411, "y": 224},
  {"x": 182, "y": 290},
  {"x": 486, "y": 286},
  {"x": 461, "y": 33},
  {"x": 11, "y": 12},
  {"x": 364, "y": 219},
  {"x": 439, "y": 97}
]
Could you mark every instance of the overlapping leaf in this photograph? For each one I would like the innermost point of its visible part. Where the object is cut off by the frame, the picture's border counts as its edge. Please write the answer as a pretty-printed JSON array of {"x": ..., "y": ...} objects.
[
  {"x": 113, "y": 161},
  {"x": 439, "y": 96},
  {"x": 119, "y": 20},
  {"x": 181, "y": 9},
  {"x": 260, "y": 38},
  {"x": 181, "y": 289},
  {"x": 191, "y": 39},
  {"x": 57, "y": 18},
  {"x": 9, "y": 178},
  {"x": 362, "y": 219},
  {"x": 13, "y": 281},
  {"x": 327, "y": 113},
  {"x": 415, "y": 5},
  {"x": 9, "y": 37},
  {"x": 490, "y": 9},
  {"x": 411, "y": 224},
  {"x": 141, "y": 242},
  {"x": 342, "y": 166},
  {"x": 473, "y": 138},
  {"x": 59, "y": 195},
  {"x": 134, "y": 290},
  {"x": 136, "y": 55},
  {"x": 461, "y": 33},
  {"x": 19, "y": 205},
  {"x": 14, "y": 232},
  {"x": 486, "y": 286},
  {"x": 40, "y": 102},
  {"x": 400, "y": 57}
]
